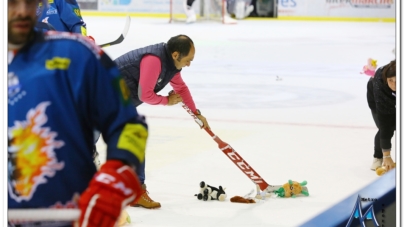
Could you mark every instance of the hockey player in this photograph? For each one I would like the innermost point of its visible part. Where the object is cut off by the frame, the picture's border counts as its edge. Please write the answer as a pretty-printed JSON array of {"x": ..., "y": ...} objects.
[
  {"x": 191, "y": 16},
  {"x": 60, "y": 88},
  {"x": 62, "y": 15},
  {"x": 147, "y": 71}
]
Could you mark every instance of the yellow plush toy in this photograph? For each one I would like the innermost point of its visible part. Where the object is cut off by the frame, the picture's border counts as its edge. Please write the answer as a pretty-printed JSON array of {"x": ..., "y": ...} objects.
[
  {"x": 381, "y": 170},
  {"x": 370, "y": 68},
  {"x": 292, "y": 189},
  {"x": 123, "y": 218}
]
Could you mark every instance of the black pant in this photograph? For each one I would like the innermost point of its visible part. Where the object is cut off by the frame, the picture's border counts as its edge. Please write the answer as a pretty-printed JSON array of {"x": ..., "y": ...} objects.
[{"x": 378, "y": 150}]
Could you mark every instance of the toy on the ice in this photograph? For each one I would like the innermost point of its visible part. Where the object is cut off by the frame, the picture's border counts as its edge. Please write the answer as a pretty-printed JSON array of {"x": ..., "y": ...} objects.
[
  {"x": 370, "y": 68},
  {"x": 292, "y": 189},
  {"x": 239, "y": 199},
  {"x": 207, "y": 192},
  {"x": 381, "y": 170},
  {"x": 123, "y": 218}
]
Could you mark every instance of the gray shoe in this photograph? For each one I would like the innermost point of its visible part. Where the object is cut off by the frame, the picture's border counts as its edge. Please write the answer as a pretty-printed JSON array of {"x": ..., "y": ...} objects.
[{"x": 377, "y": 162}]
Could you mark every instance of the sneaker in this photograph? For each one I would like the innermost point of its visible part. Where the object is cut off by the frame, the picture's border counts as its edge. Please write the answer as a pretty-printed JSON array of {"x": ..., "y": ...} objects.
[
  {"x": 248, "y": 10},
  {"x": 228, "y": 20},
  {"x": 377, "y": 162},
  {"x": 239, "y": 14},
  {"x": 191, "y": 19},
  {"x": 145, "y": 201},
  {"x": 191, "y": 16}
]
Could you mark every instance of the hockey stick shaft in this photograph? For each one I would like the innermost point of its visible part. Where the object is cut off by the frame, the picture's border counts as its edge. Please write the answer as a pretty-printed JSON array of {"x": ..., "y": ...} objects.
[
  {"x": 122, "y": 36},
  {"x": 232, "y": 154},
  {"x": 19, "y": 215},
  {"x": 49, "y": 27}
]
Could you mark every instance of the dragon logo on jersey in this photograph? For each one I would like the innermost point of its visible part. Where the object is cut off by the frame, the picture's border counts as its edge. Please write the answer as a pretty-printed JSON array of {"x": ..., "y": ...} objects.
[
  {"x": 69, "y": 204},
  {"x": 31, "y": 154}
]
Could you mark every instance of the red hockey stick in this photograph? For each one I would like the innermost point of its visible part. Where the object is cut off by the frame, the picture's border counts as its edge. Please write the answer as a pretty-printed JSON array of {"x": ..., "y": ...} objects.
[{"x": 236, "y": 158}]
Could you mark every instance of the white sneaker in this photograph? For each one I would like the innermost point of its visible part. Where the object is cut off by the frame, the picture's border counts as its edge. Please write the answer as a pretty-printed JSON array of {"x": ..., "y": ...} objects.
[
  {"x": 228, "y": 20},
  {"x": 248, "y": 10},
  {"x": 377, "y": 162},
  {"x": 240, "y": 10},
  {"x": 191, "y": 16},
  {"x": 191, "y": 19}
]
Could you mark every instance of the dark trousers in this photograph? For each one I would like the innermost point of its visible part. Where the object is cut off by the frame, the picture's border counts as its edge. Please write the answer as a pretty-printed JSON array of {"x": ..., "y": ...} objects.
[
  {"x": 139, "y": 169},
  {"x": 377, "y": 149}
]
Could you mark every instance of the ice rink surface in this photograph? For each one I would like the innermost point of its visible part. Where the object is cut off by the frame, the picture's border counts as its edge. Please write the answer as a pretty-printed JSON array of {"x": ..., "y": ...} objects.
[{"x": 288, "y": 96}]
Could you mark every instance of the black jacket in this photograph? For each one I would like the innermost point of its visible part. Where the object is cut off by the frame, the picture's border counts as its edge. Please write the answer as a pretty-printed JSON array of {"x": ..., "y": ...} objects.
[
  {"x": 382, "y": 100},
  {"x": 129, "y": 65}
]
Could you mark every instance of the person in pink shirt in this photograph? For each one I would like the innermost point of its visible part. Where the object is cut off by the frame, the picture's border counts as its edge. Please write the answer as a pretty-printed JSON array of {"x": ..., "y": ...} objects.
[{"x": 147, "y": 71}]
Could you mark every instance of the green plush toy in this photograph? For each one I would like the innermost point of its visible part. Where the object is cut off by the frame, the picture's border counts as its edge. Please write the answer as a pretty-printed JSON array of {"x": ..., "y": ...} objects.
[{"x": 292, "y": 189}]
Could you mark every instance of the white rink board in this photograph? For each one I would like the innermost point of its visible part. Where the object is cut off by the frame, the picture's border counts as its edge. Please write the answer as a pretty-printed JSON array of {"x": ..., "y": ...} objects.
[
  {"x": 294, "y": 8},
  {"x": 337, "y": 8},
  {"x": 312, "y": 125}
]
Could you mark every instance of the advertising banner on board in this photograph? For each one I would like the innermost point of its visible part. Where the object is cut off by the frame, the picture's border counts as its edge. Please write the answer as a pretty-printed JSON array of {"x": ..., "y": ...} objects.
[{"x": 337, "y": 8}]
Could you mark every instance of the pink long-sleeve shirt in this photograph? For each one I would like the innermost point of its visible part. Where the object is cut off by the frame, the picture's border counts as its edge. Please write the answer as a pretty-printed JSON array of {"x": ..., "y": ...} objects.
[{"x": 150, "y": 69}]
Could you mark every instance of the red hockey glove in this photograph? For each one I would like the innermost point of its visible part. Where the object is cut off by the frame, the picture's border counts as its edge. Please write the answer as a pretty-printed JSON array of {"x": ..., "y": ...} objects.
[{"x": 113, "y": 187}]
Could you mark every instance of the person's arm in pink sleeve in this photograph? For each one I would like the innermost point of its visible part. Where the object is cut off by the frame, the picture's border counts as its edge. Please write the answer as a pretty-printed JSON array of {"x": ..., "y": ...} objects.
[
  {"x": 181, "y": 88},
  {"x": 150, "y": 68}
]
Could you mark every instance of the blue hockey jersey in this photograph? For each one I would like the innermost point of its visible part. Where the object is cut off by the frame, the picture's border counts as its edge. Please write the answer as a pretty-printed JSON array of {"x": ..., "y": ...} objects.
[
  {"x": 62, "y": 87},
  {"x": 62, "y": 15}
]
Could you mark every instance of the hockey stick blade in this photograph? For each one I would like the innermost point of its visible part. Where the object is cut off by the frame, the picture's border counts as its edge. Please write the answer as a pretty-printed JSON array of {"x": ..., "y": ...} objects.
[
  {"x": 122, "y": 36},
  {"x": 248, "y": 195}
]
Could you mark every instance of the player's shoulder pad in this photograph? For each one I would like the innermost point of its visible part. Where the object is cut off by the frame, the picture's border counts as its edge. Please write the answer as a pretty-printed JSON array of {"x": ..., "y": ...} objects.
[{"x": 94, "y": 48}]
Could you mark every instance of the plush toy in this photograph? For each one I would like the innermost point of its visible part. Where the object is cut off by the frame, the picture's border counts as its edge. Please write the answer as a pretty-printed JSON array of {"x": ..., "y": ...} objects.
[
  {"x": 292, "y": 189},
  {"x": 123, "y": 219},
  {"x": 239, "y": 199},
  {"x": 370, "y": 68},
  {"x": 381, "y": 170},
  {"x": 207, "y": 192}
]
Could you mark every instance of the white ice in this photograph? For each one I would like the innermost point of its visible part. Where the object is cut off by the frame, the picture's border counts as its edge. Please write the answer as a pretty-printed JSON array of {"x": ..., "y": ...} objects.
[{"x": 312, "y": 125}]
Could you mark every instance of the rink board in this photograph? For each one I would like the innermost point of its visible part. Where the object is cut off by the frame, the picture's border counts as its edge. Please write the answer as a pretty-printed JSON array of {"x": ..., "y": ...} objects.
[{"x": 381, "y": 194}]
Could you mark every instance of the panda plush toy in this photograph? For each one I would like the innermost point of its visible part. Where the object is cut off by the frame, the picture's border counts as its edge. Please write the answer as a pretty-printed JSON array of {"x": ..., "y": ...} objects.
[{"x": 207, "y": 192}]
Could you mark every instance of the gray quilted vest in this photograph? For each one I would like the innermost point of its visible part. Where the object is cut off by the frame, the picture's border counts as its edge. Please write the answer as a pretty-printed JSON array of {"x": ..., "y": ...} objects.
[{"x": 129, "y": 65}]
